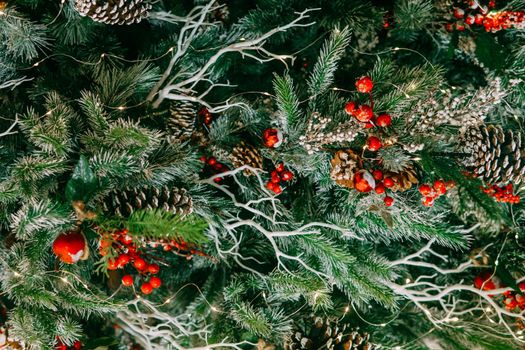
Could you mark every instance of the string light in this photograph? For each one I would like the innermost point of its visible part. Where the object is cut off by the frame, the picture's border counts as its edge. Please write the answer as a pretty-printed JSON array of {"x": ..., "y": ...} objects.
[
  {"x": 408, "y": 280},
  {"x": 214, "y": 309},
  {"x": 347, "y": 308}
]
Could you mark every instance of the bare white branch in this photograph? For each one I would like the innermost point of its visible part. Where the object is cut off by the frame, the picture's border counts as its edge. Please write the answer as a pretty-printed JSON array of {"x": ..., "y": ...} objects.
[{"x": 181, "y": 85}]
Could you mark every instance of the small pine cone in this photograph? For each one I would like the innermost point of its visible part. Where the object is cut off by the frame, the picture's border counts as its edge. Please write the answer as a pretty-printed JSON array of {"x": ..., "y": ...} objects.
[
  {"x": 330, "y": 336},
  {"x": 172, "y": 199},
  {"x": 495, "y": 156},
  {"x": 244, "y": 154},
  {"x": 344, "y": 165},
  {"x": 114, "y": 11},
  {"x": 403, "y": 180}
]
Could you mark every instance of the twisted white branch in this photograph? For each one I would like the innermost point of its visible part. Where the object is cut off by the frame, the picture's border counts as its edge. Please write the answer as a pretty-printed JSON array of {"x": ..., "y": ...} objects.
[{"x": 182, "y": 86}]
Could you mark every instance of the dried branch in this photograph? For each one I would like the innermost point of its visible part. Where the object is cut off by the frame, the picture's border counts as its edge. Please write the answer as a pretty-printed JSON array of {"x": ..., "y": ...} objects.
[{"x": 182, "y": 87}]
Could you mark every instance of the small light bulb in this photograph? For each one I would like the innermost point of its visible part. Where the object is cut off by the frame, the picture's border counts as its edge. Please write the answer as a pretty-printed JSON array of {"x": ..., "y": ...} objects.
[
  {"x": 121, "y": 108},
  {"x": 408, "y": 280},
  {"x": 214, "y": 309},
  {"x": 347, "y": 308}
]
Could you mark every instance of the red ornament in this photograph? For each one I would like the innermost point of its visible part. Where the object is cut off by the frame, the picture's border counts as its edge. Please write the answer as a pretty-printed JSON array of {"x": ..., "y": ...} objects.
[
  {"x": 384, "y": 120},
  {"x": 364, "y": 113},
  {"x": 272, "y": 137},
  {"x": 146, "y": 288},
  {"x": 153, "y": 269},
  {"x": 377, "y": 174},
  {"x": 127, "y": 280},
  {"x": 140, "y": 264},
  {"x": 70, "y": 247},
  {"x": 350, "y": 108},
  {"x": 364, "y": 85},
  {"x": 287, "y": 175},
  {"x": 155, "y": 282},
  {"x": 388, "y": 182},
  {"x": 388, "y": 201},
  {"x": 373, "y": 143}
]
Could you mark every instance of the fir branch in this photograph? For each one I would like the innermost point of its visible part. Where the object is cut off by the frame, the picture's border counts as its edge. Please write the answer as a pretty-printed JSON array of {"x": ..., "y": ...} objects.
[
  {"x": 287, "y": 101},
  {"x": 323, "y": 72}
]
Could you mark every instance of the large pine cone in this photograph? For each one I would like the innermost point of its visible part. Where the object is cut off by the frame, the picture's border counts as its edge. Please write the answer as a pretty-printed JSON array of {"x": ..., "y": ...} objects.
[
  {"x": 495, "y": 156},
  {"x": 172, "y": 199},
  {"x": 330, "y": 336},
  {"x": 181, "y": 120},
  {"x": 114, "y": 11},
  {"x": 344, "y": 165}
]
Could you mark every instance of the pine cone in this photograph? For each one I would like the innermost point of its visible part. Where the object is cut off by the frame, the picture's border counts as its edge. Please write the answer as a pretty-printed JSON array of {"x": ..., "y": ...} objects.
[
  {"x": 344, "y": 165},
  {"x": 403, "y": 180},
  {"x": 244, "y": 154},
  {"x": 325, "y": 335},
  {"x": 173, "y": 199},
  {"x": 181, "y": 120},
  {"x": 114, "y": 11},
  {"x": 494, "y": 155}
]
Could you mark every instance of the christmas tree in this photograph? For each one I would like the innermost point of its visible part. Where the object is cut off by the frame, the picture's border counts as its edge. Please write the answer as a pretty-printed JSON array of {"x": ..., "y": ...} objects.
[{"x": 233, "y": 174}]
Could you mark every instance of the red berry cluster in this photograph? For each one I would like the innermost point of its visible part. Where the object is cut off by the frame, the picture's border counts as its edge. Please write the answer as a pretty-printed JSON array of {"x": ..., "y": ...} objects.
[
  {"x": 272, "y": 137},
  {"x": 512, "y": 299},
  {"x": 502, "y": 194},
  {"x": 366, "y": 182},
  {"x": 127, "y": 251},
  {"x": 215, "y": 166},
  {"x": 278, "y": 175},
  {"x": 77, "y": 345},
  {"x": 431, "y": 193},
  {"x": 482, "y": 15},
  {"x": 205, "y": 116}
]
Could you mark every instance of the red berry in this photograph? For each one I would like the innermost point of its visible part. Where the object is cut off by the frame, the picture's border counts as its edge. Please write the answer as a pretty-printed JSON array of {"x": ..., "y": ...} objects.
[
  {"x": 470, "y": 20},
  {"x": 364, "y": 113},
  {"x": 384, "y": 120},
  {"x": 459, "y": 13},
  {"x": 277, "y": 189},
  {"x": 364, "y": 85},
  {"x": 155, "y": 282},
  {"x": 388, "y": 182},
  {"x": 520, "y": 299},
  {"x": 511, "y": 303},
  {"x": 377, "y": 174},
  {"x": 373, "y": 143},
  {"x": 440, "y": 186},
  {"x": 287, "y": 175},
  {"x": 428, "y": 201},
  {"x": 70, "y": 247},
  {"x": 146, "y": 288},
  {"x": 380, "y": 188},
  {"x": 122, "y": 260},
  {"x": 127, "y": 280},
  {"x": 204, "y": 159},
  {"x": 521, "y": 286},
  {"x": 153, "y": 269},
  {"x": 77, "y": 345},
  {"x": 280, "y": 167},
  {"x": 275, "y": 177},
  {"x": 61, "y": 346},
  {"x": 112, "y": 264},
  {"x": 460, "y": 26},
  {"x": 425, "y": 190},
  {"x": 478, "y": 19},
  {"x": 388, "y": 201},
  {"x": 350, "y": 108},
  {"x": 212, "y": 161},
  {"x": 449, "y": 27},
  {"x": 271, "y": 185},
  {"x": 139, "y": 264},
  {"x": 126, "y": 239},
  {"x": 368, "y": 125}
]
